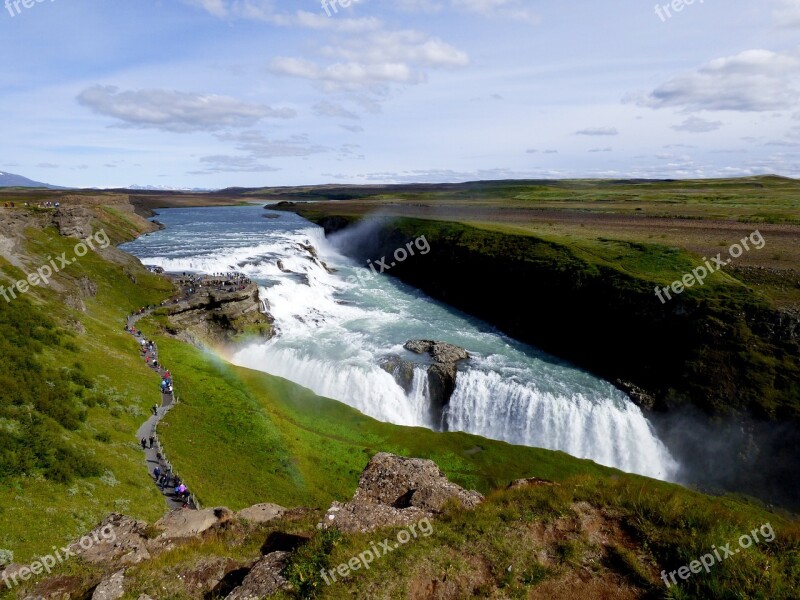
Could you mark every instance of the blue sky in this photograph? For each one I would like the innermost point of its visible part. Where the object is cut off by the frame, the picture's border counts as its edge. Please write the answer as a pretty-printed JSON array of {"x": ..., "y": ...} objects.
[{"x": 217, "y": 93}]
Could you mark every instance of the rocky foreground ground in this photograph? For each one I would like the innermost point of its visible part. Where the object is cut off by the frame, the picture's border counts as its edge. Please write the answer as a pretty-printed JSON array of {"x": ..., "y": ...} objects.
[{"x": 393, "y": 491}]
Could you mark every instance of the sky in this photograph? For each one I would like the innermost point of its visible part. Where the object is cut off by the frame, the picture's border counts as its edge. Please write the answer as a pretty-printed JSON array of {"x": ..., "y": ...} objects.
[{"x": 218, "y": 93}]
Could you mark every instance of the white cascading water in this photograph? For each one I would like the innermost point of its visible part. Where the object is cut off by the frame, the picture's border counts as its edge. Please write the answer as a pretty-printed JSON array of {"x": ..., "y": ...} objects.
[
  {"x": 332, "y": 334},
  {"x": 611, "y": 433}
]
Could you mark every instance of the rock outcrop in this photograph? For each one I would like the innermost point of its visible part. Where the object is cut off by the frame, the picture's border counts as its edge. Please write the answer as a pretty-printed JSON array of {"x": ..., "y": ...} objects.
[
  {"x": 261, "y": 513},
  {"x": 218, "y": 317},
  {"x": 396, "y": 491},
  {"x": 111, "y": 588},
  {"x": 441, "y": 352},
  {"x": 87, "y": 287},
  {"x": 441, "y": 374},
  {"x": 73, "y": 221},
  {"x": 191, "y": 523},
  {"x": 264, "y": 579},
  {"x": 402, "y": 370},
  {"x": 640, "y": 396},
  {"x": 122, "y": 540}
]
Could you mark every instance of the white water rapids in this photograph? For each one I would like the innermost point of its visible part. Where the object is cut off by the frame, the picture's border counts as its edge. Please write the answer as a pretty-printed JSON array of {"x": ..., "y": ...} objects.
[{"x": 332, "y": 334}]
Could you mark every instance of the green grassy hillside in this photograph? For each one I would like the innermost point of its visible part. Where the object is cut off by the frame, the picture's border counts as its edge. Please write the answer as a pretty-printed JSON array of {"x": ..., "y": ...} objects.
[
  {"x": 75, "y": 390},
  {"x": 242, "y": 437}
]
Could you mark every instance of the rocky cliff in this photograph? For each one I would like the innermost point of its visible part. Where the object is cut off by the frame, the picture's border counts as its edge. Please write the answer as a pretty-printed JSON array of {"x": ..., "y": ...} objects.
[{"x": 219, "y": 318}]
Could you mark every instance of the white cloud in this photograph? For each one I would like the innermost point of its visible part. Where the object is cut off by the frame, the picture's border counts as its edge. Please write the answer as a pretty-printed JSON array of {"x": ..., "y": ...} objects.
[
  {"x": 754, "y": 80},
  {"x": 333, "y": 109},
  {"x": 398, "y": 46},
  {"x": 255, "y": 147},
  {"x": 598, "y": 131},
  {"x": 320, "y": 21},
  {"x": 344, "y": 75},
  {"x": 259, "y": 146},
  {"x": 174, "y": 111},
  {"x": 787, "y": 13},
  {"x": 373, "y": 61},
  {"x": 267, "y": 12},
  {"x": 697, "y": 125},
  {"x": 517, "y": 10},
  {"x": 218, "y": 8},
  {"x": 222, "y": 163},
  {"x": 439, "y": 175},
  {"x": 512, "y": 9},
  {"x": 424, "y": 6}
]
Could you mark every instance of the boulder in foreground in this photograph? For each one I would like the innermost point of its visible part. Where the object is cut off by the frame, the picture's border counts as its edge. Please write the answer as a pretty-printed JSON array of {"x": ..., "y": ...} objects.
[{"x": 396, "y": 491}]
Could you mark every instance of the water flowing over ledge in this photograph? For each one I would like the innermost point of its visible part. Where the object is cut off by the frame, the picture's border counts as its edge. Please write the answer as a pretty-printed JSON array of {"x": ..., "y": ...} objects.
[{"x": 333, "y": 332}]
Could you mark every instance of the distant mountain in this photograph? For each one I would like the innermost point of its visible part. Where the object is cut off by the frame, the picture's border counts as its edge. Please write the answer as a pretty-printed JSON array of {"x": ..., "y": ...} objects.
[
  {"x": 12, "y": 180},
  {"x": 165, "y": 188}
]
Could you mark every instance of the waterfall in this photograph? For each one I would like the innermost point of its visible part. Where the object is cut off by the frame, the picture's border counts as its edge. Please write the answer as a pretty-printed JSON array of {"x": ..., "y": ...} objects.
[
  {"x": 334, "y": 330},
  {"x": 610, "y": 431},
  {"x": 263, "y": 299}
]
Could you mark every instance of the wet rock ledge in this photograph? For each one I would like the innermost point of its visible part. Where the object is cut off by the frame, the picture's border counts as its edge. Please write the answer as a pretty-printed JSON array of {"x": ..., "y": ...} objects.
[{"x": 442, "y": 372}]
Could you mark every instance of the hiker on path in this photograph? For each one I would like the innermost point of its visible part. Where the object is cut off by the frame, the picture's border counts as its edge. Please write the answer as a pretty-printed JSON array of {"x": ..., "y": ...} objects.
[
  {"x": 152, "y": 440},
  {"x": 155, "y": 412},
  {"x": 157, "y": 473},
  {"x": 144, "y": 444}
]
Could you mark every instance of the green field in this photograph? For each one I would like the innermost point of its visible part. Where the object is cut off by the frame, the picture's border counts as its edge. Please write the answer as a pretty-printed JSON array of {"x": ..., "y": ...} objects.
[{"x": 624, "y": 223}]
